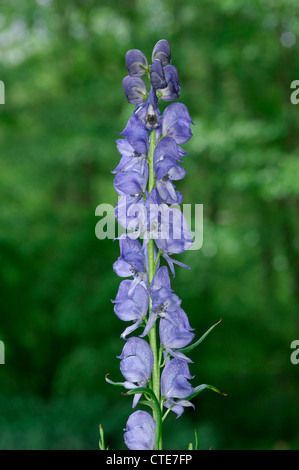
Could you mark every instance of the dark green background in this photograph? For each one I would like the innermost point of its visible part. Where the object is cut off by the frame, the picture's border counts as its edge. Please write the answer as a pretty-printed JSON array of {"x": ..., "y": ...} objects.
[{"x": 62, "y": 63}]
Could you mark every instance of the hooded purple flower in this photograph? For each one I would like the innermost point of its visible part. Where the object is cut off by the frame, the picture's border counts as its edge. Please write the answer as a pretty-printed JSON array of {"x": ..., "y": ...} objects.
[
  {"x": 176, "y": 123},
  {"x": 136, "y": 63},
  {"x": 134, "y": 89},
  {"x": 131, "y": 262},
  {"x": 136, "y": 365},
  {"x": 133, "y": 181},
  {"x": 130, "y": 158},
  {"x": 131, "y": 305},
  {"x": 131, "y": 213},
  {"x": 166, "y": 156},
  {"x": 148, "y": 112},
  {"x": 136, "y": 134},
  {"x": 165, "y": 81},
  {"x": 176, "y": 334},
  {"x": 179, "y": 239},
  {"x": 140, "y": 431},
  {"x": 157, "y": 75},
  {"x": 166, "y": 171},
  {"x": 174, "y": 385},
  {"x": 164, "y": 302},
  {"x": 162, "y": 52}
]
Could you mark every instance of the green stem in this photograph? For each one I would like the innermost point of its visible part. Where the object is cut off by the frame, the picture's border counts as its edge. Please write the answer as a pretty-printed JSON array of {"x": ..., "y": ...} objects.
[{"x": 151, "y": 273}]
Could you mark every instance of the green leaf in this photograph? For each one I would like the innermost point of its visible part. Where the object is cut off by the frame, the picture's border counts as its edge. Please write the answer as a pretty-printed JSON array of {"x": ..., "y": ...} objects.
[
  {"x": 192, "y": 346},
  {"x": 102, "y": 440},
  {"x": 196, "y": 447},
  {"x": 202, "y": 387}
]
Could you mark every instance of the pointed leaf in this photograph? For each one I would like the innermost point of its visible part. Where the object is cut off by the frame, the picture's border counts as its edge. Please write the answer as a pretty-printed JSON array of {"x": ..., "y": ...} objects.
[
  {"x": 202, "y": 387},
  {"x": 192, "y": 346}
]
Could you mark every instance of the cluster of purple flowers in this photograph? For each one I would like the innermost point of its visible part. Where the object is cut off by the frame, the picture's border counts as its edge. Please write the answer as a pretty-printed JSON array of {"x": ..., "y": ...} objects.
[{"x": 151, "y": 160}]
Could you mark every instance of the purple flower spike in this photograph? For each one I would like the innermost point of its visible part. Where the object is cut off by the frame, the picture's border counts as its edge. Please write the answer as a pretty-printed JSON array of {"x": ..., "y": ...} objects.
[
  {"x": 174, "y": 384},
  {"x": 131, "y": 306},
  {"x": 136, "y": 63},
  {"x": 162, "y": 52},
  {"x": 136, "y": 365},
  {"x": 176, "y": 123},
  {"x": 134, "y": 89},
  {"x": 140, "y": 431}
]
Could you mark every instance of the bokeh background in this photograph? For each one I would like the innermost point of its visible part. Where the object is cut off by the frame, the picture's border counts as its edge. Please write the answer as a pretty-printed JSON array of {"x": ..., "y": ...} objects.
[{"x": 62, "y": 64}]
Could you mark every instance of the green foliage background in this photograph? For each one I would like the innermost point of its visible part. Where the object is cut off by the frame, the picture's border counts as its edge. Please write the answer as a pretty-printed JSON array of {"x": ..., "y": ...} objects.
[{"x": 62, "y": 64}]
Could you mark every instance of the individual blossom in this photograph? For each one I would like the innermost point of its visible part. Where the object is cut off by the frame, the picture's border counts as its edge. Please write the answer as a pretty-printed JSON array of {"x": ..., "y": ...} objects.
[
  {"x": 140, "y": 431},
  {"x": 131, "y": 305},
  {"x": 148, "y": 112},
  {"x": 134, "y": 89},
  {"x": 175, "y": 387},
  {"x": 164, "y": 301},
  {"x": 131, "y": 262},
  {"x": 157, "y": 76},
  {"x": 169, "y": 229},
  {"x": 165, "y": 80},
  {"x": 136, "y": 134},
  {"x": 131, "y": 213},
  {"x": 136, "y": 365},
  {"x": 136, "y": 63},
  {"x": 176, "y": 123},
  {"x": 133, "y": 181},
  {"x": 175, "y": 334},
  {"x": 167, "y": 171},
  {"x": 162, "y": 52},
  {"x": 130, "y": 158}
]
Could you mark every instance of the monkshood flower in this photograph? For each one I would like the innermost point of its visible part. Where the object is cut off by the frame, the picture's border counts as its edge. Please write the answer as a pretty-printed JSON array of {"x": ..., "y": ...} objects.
[
  {"x": 136, "y": 365},
  {"x": 165, "y": 81},
  {"x": 148, "y": 111},
  {"x": 176, "y": 123},
  {"x": 132, "y": 182},
  {"x": 175, "y": 334},
  {"x": 134, "y": 89},
  {"x": 153, "y": 363},
  {"x": 166, "y": 171},
  {"x": 136, "y": 134},
  {"x": 130, "y": 158},
  {"x": 175, "y": 387},
  {"x": 162, "y": 52},
  {"x": 131, "y": 305},
  {"x": 169, "y": 229},
  {"x": 136, "y": 63},
  {"x": 140, "y": 431},
  {"x": 131, "y": 262},
  {"x": 131, "y": 213},
  {"x": 164, "y": 301}
]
